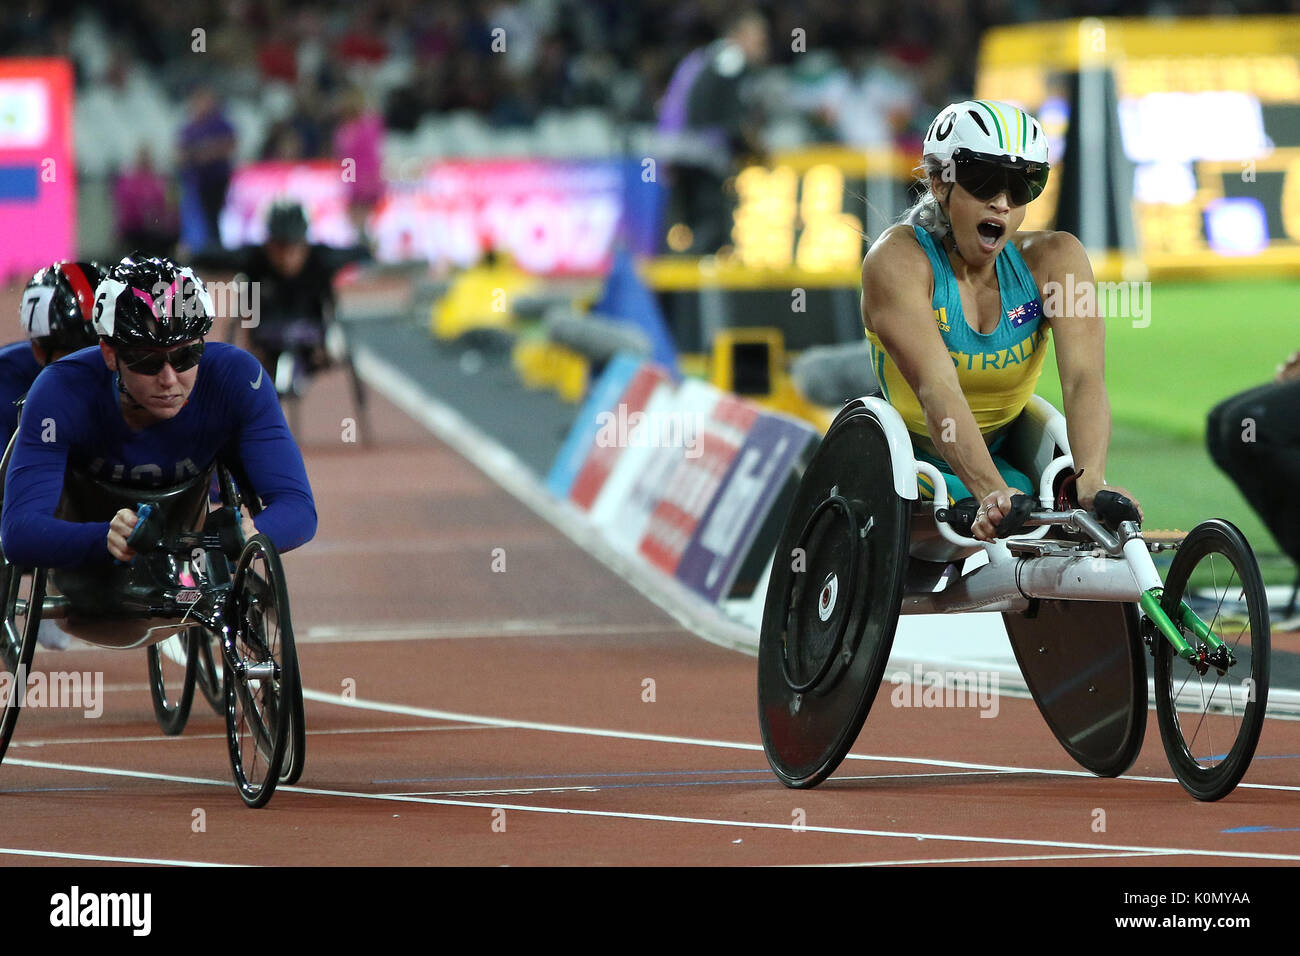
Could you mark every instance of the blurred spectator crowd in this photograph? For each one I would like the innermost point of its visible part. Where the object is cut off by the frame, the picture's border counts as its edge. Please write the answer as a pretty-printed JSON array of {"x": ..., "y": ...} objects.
[{"x": 168, "y": 89}]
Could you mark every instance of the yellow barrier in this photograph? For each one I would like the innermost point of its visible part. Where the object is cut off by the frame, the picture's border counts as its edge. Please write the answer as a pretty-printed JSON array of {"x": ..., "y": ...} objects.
[{"x": 542, "y": 364}]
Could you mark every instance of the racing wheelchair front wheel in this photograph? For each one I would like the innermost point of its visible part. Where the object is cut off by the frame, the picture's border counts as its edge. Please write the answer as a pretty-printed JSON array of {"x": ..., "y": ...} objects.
[
  {"x": 832, "y": 602},
  {"x": 261, "y": 677},
  {"x": 23, "y": 592},
  {"x": 1211, "y": 709},
  {"x": 172, "y": 674}
]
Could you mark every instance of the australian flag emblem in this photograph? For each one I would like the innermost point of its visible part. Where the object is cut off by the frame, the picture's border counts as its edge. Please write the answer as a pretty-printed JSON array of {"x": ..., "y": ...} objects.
[{"x": 1024, "y": 313}]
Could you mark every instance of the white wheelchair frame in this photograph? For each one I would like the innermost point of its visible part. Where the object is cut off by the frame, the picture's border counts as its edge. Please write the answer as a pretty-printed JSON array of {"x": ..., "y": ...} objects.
[{"x": 1023, "y": 567}]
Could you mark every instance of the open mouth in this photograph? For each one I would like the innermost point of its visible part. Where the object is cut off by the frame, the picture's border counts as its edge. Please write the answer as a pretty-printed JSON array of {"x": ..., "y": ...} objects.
[{"x": 990, "y": 231}]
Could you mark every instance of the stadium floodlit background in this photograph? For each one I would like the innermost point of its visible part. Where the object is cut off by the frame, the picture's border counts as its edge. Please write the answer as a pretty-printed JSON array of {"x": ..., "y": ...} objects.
[{"x": 539, "y": 146}]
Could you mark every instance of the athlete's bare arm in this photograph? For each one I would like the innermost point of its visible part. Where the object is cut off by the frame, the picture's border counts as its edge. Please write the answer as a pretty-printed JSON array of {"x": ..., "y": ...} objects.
[
  {"x": 1060, "y": 265},
  {"x": 896, "y": 290}
]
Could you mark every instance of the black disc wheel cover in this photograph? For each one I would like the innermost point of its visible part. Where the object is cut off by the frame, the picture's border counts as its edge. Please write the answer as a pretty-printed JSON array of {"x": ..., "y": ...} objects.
[{"x": 832, "y": 602}]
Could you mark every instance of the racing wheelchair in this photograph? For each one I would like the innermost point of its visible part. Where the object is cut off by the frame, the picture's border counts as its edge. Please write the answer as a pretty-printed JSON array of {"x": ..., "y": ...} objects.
[
  {"x": 1079, "y": 592},
  {"x": 295, "y": 351},
  {"x": 211, "y": 609}
]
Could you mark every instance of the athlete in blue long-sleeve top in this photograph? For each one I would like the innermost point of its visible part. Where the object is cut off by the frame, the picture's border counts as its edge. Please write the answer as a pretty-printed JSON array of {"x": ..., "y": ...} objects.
[
  {"x": 152, "y": 406},
  {"x": 56, "y": 316},
  {"x": 18, "y": 369}
]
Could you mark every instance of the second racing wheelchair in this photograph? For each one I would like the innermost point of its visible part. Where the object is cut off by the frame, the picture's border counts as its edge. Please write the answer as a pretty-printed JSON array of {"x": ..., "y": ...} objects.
[
  {"x": 211, "y": 608},
  {"x": 1079, "y": 591}
]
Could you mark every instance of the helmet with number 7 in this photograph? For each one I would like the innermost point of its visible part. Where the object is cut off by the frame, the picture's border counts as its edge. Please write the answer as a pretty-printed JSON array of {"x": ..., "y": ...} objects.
[
  {"x": 152, "y": 303},
  {"x": 57, "y": 306}
]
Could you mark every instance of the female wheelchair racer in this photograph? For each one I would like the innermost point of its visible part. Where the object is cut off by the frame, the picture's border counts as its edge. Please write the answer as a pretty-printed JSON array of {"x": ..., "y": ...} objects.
[
  {"x": 953, "y": 304},
  {"x": 134, "y": 422}
]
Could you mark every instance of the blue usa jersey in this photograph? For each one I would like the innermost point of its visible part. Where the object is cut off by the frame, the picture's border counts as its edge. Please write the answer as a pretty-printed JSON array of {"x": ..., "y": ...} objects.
[
  {"x": 72, "y": 416},
  {"x": 18, "y": 369}
]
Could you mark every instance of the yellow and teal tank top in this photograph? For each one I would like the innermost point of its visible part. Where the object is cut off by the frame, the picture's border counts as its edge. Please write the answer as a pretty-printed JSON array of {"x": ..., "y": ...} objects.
[{"x": 997, "y": 371}]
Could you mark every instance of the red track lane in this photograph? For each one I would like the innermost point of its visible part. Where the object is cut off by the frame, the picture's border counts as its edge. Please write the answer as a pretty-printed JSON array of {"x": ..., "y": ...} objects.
[{"x": 396, "y": 604}]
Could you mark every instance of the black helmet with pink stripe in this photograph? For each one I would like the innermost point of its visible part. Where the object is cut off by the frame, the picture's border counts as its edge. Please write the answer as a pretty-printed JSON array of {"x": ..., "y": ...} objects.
[
  {"x": 57, "y": 306},
  {"x": 153, "y": 303}
]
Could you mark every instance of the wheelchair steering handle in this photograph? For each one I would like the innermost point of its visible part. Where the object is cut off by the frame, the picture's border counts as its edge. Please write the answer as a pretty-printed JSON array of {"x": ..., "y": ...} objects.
[
  {"x": 1104, "y": 524},
  {"x": 962, "y": 517}
]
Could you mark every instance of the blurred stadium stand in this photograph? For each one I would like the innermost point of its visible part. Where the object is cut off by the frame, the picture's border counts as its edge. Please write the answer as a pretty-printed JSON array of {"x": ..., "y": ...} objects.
[{"x": 578, "y": 78}]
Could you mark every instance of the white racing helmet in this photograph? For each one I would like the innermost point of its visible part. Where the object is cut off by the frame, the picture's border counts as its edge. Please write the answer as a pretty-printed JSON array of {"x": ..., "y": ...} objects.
[
  {"x": 988, "y": 129},
  {"x": 993, "y": 146}
]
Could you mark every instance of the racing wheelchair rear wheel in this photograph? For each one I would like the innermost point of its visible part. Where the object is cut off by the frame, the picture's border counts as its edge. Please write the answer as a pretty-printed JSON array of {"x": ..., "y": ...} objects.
[
  {"x": 209, "y": 675},
  {"x": 23, "y": 592},
  {"x": 261, "y": 679},
  {"x": 832, "y": 602},
  {"x": 172, "y": 673},
  {"x": 1211, "y": 711}
]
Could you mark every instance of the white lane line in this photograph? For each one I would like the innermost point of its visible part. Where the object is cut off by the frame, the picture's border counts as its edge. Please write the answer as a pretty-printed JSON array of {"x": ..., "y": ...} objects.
[
  {"x": 600, "y": 788},
  {"x": 496, "y": 793},
  {"x": 181, "y": 738},
  {"x": 985, "y": 859},
  {"x": 697, "y": 821},
  {"x": 721, "y": 744},
  {"x": 53, "y": 854},
  {"x": 501, "y": 628}
]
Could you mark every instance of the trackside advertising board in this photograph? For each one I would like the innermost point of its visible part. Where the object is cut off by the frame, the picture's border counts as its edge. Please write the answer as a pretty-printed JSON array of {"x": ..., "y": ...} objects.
[
  {"x": 604, "y": 396},
  {"x": 656, "y": 441},
  {"x": 714, "y": 428},
  {"x": 728, "y": 528},
  {"x": 618, "y": 434},
  {"x": 552, "y": 217},
  {"x": 317, "y": 185}
]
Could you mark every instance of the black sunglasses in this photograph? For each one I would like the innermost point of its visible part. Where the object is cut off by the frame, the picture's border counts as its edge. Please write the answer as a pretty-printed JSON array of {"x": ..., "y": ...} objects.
[
  {"x": 984, "y": 179},
  {"x": 151, "y": 362}
]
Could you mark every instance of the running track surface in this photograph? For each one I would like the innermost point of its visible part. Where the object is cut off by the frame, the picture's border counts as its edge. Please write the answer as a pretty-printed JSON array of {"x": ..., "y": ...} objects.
[{"x": 461, "y": 715}]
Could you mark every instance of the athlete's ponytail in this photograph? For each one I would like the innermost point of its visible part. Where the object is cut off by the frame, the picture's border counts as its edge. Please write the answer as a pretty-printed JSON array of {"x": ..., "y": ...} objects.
[{"x": 926, "y": 211}]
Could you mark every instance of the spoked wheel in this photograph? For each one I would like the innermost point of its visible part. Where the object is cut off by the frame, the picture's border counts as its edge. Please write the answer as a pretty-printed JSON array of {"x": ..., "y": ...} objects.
[
  {"x": 261, "y": 681},
  {"x": 296, "y": 758},
  {"x": 209, "y": 675},
  {"x": 1211, "y": 710},
  {"x": 172, "y": 671},
  {"x": 832, "y": 602},
  {"x": 23, "y": 592}
]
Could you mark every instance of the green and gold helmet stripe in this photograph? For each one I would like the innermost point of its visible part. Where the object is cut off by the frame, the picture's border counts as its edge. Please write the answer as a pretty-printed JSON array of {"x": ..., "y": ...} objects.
[{"x": 997, "y": 122}]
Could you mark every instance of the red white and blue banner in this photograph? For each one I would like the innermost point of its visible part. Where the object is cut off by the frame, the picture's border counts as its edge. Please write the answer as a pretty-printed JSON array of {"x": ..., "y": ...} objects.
[
  {"x": 603, "y": 396},
  {"x": 621, "y": 434},
  {"x": 652, "y": 443},
  {"x": 719, "y": 430},
  {"x": 729, "y": 527}
]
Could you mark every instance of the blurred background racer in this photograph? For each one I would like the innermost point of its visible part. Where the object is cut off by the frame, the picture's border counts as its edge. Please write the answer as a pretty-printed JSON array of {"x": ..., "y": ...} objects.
[{"x": 56, "y": 318}]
